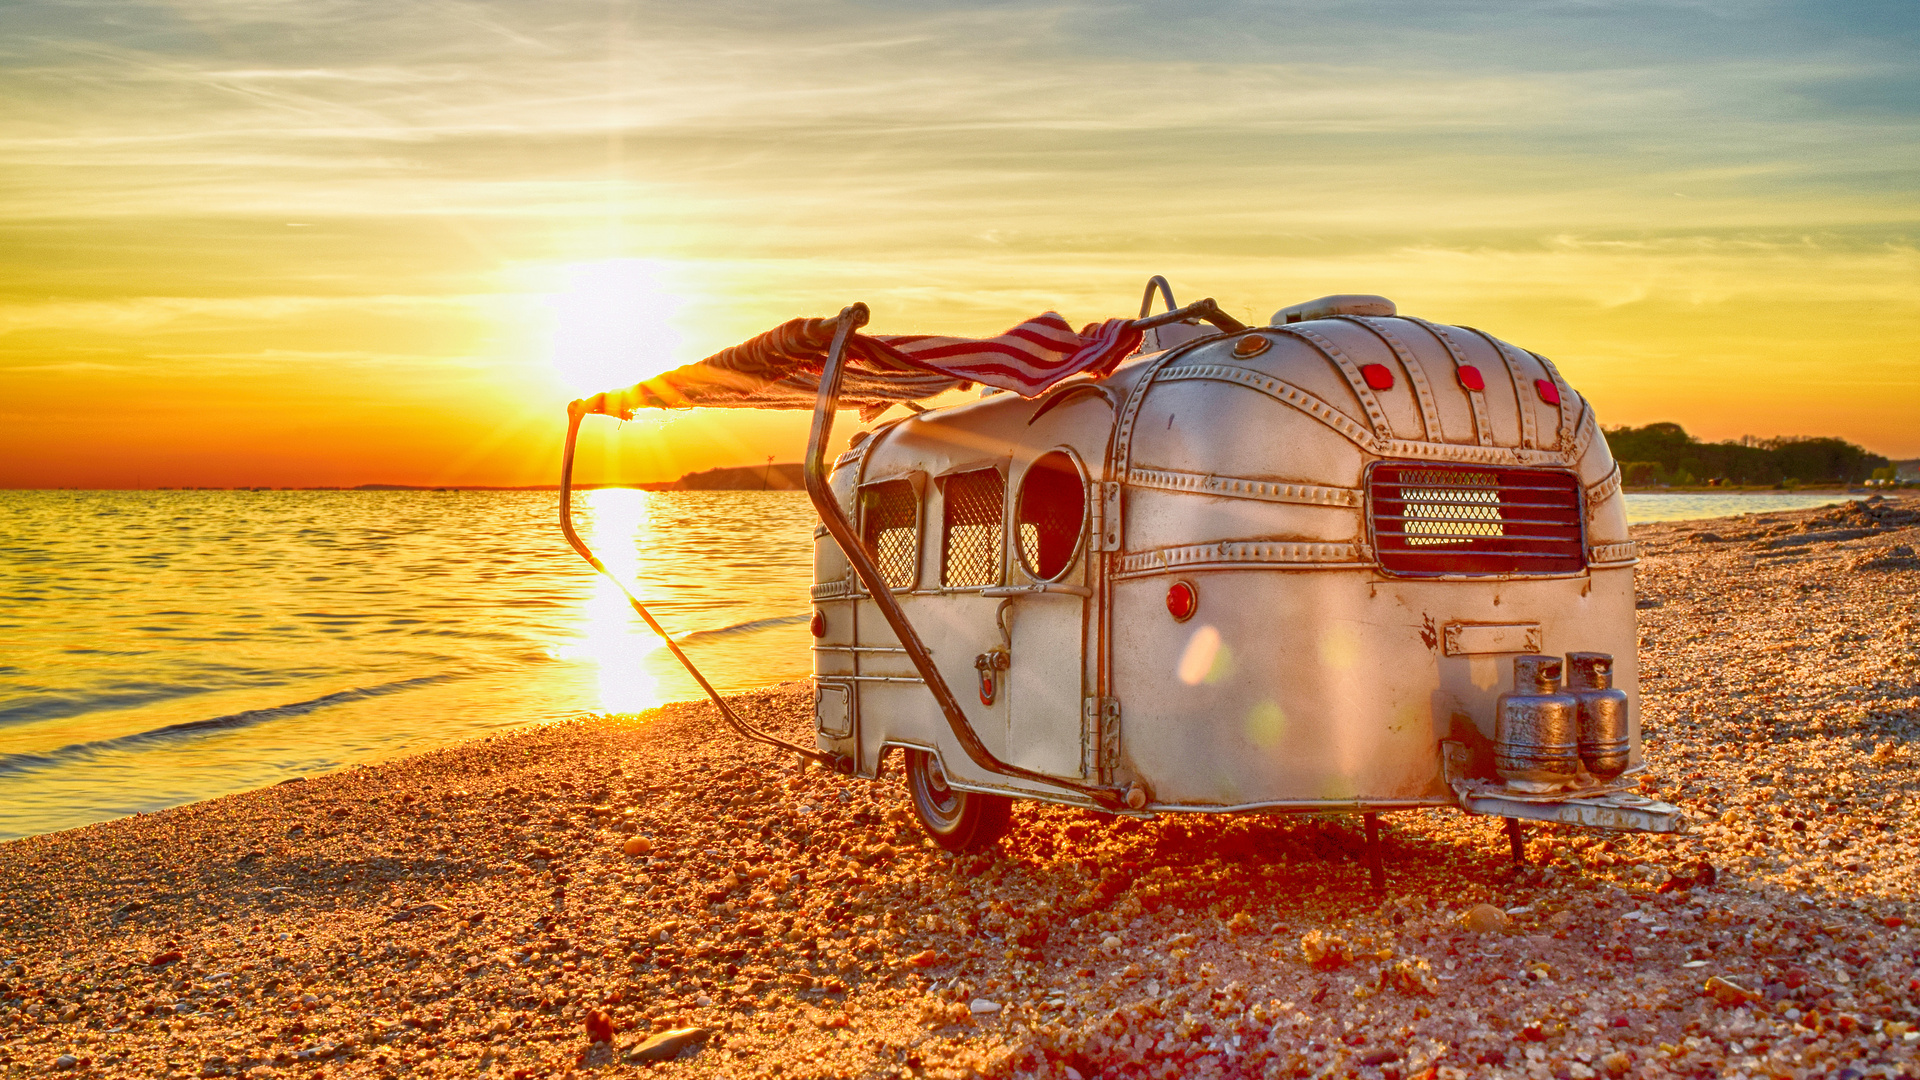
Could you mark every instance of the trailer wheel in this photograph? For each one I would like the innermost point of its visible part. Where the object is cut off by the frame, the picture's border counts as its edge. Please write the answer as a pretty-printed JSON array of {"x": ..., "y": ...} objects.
[{"x": 957, "y": 820}]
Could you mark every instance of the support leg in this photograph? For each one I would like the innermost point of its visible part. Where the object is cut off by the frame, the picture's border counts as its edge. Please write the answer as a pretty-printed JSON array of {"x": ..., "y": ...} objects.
[
  {"x": 1516, "y": 841},
  {"x": 1376, "y": 874}
]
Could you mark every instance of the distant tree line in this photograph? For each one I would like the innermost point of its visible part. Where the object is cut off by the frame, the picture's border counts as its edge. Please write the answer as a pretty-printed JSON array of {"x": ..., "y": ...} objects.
[
  {"x": 787, "y": 476},
  {"x": 1666, "y": 454}
]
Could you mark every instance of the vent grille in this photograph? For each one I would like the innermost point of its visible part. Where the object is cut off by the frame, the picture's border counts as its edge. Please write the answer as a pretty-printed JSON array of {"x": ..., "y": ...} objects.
[
  {"x": 889, "y": 520},
  {"x": 1431, "y": 521},
  {"x": 973, "y": 529}
]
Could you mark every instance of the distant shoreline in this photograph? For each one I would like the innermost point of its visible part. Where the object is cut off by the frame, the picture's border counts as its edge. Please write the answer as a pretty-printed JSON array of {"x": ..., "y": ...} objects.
[
  {"x": 1702, "y": 489},
  {"x": 782, "y": 476}
]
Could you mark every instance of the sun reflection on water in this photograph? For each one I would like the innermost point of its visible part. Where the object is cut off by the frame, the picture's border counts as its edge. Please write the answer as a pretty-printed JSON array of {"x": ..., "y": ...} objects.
[
  {"x": 616, "y": 523},
  {"x": 726, "y": 573}
]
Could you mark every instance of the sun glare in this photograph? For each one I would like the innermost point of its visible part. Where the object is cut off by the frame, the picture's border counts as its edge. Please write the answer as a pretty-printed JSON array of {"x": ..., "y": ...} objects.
[{"x": 612, "y": 323}]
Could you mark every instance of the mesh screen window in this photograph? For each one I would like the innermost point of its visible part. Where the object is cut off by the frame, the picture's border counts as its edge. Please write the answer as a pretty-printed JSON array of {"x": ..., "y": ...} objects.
[
  {"x": 1048, "y": 515},
  {"x": 972, "y": 528},
  {"x": 1434, "y": 520},
  {"x": 889, "y": 520}
]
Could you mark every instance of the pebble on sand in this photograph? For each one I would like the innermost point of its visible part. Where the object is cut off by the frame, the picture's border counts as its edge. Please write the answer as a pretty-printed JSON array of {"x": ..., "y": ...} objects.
[
  {"x": 1727, "y": 992},
  {"x": 1325, "y": 951},
  {"x": 667, "y": 1045},
  {"x": 1485, "y": 919}
]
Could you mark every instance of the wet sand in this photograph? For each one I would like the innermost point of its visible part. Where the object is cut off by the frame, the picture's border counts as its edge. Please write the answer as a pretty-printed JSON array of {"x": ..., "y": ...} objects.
[{"x": 476, "y": 911}]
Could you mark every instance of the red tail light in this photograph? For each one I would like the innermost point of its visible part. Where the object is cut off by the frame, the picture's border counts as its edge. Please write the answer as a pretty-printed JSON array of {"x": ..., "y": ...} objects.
[
  {"x": 1430, "y": 520},
  {"x": 1182, "y": 600}
]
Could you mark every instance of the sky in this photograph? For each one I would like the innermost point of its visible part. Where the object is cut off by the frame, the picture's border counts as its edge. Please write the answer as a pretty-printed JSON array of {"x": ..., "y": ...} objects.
[{"x": 335, "y": 242}]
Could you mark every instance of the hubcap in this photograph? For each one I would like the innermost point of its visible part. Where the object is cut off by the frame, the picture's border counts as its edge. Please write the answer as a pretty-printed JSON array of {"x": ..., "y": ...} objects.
[{"x": 941, "y": 799}]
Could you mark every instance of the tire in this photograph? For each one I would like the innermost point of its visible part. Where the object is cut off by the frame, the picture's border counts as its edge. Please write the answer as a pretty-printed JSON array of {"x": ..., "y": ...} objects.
[{"x": 956, "y": 820}]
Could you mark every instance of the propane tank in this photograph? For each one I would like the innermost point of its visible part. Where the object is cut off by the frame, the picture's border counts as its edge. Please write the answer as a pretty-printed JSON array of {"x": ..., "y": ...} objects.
[
  {"x": 1603, "y": 713},
  {"x": 1536, "y": 728}
]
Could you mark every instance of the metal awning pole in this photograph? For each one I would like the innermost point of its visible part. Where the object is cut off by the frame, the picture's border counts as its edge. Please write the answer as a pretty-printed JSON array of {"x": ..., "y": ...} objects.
[{"x": 842, "y": 531}]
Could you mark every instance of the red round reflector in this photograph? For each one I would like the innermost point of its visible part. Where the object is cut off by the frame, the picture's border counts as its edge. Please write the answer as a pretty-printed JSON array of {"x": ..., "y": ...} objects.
[
  {"x": 1377, "y": 376},
  {"x": 1549, "y": 393},
  {"x": 1182, "y": 600},
  {"x": 819, "y": 624},
  {"x": 1470, "y": 377}
]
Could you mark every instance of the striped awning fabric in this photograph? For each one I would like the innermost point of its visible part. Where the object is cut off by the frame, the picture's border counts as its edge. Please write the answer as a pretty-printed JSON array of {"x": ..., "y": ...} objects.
[{"x": 780, "y": 369}]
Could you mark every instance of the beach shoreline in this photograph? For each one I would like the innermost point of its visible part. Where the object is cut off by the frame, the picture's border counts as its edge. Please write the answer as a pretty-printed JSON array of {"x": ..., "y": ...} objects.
[{"x": 475, "y": 910}]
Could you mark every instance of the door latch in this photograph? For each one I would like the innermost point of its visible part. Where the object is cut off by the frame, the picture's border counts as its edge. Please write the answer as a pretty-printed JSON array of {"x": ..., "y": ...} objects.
[{"x": 994, "y": 660}]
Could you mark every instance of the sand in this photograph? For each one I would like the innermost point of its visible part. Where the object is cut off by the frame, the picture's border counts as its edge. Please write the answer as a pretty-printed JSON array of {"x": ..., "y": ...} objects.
[{"x": 474, "y": 911}]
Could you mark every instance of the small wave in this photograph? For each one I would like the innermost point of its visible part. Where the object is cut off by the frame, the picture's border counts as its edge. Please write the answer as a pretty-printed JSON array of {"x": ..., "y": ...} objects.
[
  {"x": 742, "y": 628},
  {"x": 117, "y": 696},
  {"x": 19, "y": 763}
]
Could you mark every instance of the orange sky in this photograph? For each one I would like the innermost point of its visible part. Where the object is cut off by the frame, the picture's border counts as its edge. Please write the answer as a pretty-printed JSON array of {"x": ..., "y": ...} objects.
[{"x": 361, "y": 243}]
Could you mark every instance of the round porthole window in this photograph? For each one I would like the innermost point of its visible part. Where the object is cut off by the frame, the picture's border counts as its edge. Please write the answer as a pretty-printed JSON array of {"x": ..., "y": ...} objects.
[{"x": 1050, "y": 515}]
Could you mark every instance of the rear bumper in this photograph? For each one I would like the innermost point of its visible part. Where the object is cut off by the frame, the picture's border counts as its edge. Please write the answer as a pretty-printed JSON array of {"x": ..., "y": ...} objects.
[
  {"x": 1601, "y": 809},
  {"x": 1615, "y": 810}
]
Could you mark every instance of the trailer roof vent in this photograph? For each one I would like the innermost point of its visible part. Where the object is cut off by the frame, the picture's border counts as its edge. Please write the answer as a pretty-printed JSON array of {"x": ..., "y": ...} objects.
[
  {"x": 1338, "y": 304},
  {"x": 1431, "y": 521}
]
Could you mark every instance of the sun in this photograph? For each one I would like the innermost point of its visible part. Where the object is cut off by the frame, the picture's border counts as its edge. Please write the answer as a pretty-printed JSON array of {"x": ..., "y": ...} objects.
[{"x": 612, "y": 323}]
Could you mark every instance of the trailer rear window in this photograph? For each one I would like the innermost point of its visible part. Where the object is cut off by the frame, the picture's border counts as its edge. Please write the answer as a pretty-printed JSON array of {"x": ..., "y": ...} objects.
[
  {"x": 1435, "y": 520},
  {"x": 973, "y": 529},
  {"x": 889, "y": 527}
]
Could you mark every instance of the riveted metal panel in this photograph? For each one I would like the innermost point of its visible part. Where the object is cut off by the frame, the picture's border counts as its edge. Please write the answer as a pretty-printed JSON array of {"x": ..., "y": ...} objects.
[
  {"x": 833, "y": 709},
  {"x": 1430, "y": 426}
]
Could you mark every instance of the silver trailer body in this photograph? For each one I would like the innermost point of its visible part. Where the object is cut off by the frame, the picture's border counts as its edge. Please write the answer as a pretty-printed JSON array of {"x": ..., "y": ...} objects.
[{"x": 1286, "y": 568}]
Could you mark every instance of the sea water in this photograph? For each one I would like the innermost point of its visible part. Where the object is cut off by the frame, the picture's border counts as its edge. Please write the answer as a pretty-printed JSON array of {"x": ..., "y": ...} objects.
[
  {"x": 158, "y": 647},
  {"x": 1683, "y": 506},
  {"x": 162, "y": 647}
]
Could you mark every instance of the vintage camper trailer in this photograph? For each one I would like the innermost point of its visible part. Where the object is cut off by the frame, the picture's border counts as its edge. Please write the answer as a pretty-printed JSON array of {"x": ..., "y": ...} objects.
[{"x": 1327, "y": 564}]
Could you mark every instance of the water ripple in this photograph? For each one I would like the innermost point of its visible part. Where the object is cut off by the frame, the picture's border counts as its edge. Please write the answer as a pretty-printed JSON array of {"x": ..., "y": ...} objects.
[{"x": 15, "y": 763}]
